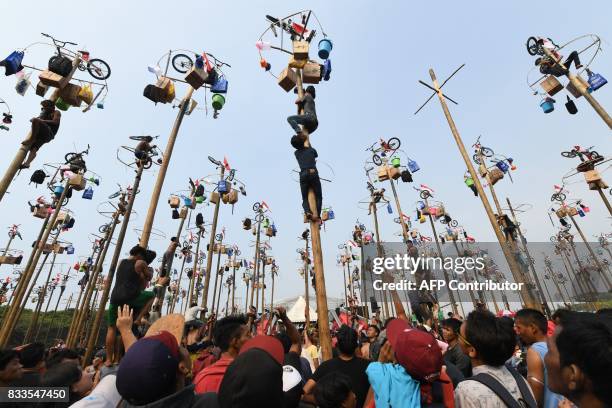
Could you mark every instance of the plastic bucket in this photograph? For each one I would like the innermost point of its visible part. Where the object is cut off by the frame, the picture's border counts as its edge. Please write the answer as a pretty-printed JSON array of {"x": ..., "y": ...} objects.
[
  {"x": 58, "y": 190},
  {"x": 547, "y": 106},
  {"x": 199, "y": 200},
  {"x": 395, "y": 162},
  {"x": 61, "y": 104},
  {"x": 218, "y": 101},
  {"x": 325, "y": 47}
]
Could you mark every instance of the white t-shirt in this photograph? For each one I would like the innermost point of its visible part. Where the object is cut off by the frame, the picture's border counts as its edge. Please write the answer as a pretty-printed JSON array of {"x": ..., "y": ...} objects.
[{"x": 105, "y": 395}]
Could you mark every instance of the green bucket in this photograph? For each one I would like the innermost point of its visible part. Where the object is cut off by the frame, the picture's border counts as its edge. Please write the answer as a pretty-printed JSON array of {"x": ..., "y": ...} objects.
[
  {"x": 395, "y": 162},
  {"x": 199, "y": 200},
  {"x": 218, "y": 101},
  {"x": 61, "y": 104}
]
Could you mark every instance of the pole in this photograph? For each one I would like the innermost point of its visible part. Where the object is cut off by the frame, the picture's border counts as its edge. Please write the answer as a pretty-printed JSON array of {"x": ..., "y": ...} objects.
[
  {"x": 15, "y": 310},
  {"x": 113, "y": 265},
  {"x": 36, "y": 314},
  {"x": 60, "y": 327},
  {"x": 194, "y": 270},
  {"x": 233, "y": 283},
  {"x": 161, "y": 293},
  {"x": 256, "y": 266},
  {"x": 211, "y": 244},
  {"x": 306, "y": 277},
  {"x": 263, "y": 284},
  {"x": 163, "y": 168},
  {"x": 62, "y": 289},
  {"x": 600, "y": 268},
  {"x": 317, "y": 253},
  {"x": 272, "y": 295},
  {"x": 526, "y": 296},
  {"x": 379, "y": 252},
  {"x": 471, "y": 292},
  {"x": 214, "y": 297},
  {"x": 12, "y": 237},
  {"x": 178, "y": 286},
  {"x": 344, "y": 285},
  {"x": 531, "y": 266}
]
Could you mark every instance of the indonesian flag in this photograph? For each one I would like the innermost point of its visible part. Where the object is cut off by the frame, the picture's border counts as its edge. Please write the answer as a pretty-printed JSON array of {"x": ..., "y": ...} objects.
[
  {"x": 404, "y": 216},
  {"x": 352, "y": 243},
  {"x": 470, "y": 239},
  {"x": 267, "y": 245},
  {"x": 424, "y": 238},
  {"x": 265, "y": 206},
  {"x": 424, "y": 187},
  {"x": 558, "y": 188},
  {"x": 226, "y": 164}
]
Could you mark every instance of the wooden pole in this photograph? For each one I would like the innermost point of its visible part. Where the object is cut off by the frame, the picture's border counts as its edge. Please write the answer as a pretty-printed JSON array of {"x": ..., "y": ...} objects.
[
  {"x": 211, "y": 244},
  {"x": 600, "y": 268},
  {"x": 214, "y": 297},
  {"x": 11, "y": 238},
  {"x": 113, "y": 265},
  {"x": 161, "y": 293},
  {"x": 234, "y": 282},
  {"x": 42, "y": 320},
  {"x": 605, "y": 200},
  {"x": 531, "y": 265},
  {"x": 60, "y": 328},
  {"x": 222, "y": 270},
  {"x": 15, "y": 312},
  {"x": 471, "y": 292},
  {"x": 35, "y": 316},
  {"x": 163, "y": 168},
  {"x": 263, "y": 284},
  {"x": 582, "y": 89},
  {"x": 317, "y": 254},
  {"x": 306, "y": 283},
  {"x": 379, "y": 253},
  {"x": 528, "y": 300},
  {"x": 176, "y": 293},
  {"x": 194, "y": 270},
  {"x": 50, "y": 325},
  {"x": 272, "y": 272},
  {"x": 256, "y": 266}
]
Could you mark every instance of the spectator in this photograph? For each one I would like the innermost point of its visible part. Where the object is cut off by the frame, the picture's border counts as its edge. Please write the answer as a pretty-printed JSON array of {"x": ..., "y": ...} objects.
[
  {"x": 10, "y": 367},
  {"x": 104, "y": 395},
  {"x": 490, "y": 342},
  {"x": 229, "y": 334},
  {"x": 62, "y": 356},
  {"x": 310, "y": 351},
  {"x": 579, "y": 359},
  {"x": 68, "y": 374},
  {"x": 255, "y": 377},
  {"x": 531, "y": 327},
  {"x": 372, "y": 336},
  {"x": 32, "y": 358},
  {"x": 292, "y": 365},
  {"x": 97, "y": 362},
  {"x": 346, "y": 363},
  {"x": 333, "y": 391},
  {"x": 454, "y": 354}
]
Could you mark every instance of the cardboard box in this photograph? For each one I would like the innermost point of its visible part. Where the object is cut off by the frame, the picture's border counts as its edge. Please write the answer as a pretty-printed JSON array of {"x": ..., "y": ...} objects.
[
  {"x": 167, "y": 87},
  {"x": 174, "y": 202},
  {"x": 49, "y": 78},
  {"x": 382, "y": 173},
  {"x": 232, "y": 197},
  {"x": 293, "y": 63},
  {"x": 41, "y": 89},
  {"x": 495, "y": 175},
  {"x": 551, "y": 85},
  {"x": 311, "y": 74},
  {"x": 300, "y": 50},
  {"x": 70, "y": 94},
  {"x": 592, "y": 176},
  {"x": 394, "y": 172},
  {"x": 196, "y": 77},
  {"x": 77, "y": 182},
  {"x": 287, "y": 79},
  {"x": 214, "y": 197}
]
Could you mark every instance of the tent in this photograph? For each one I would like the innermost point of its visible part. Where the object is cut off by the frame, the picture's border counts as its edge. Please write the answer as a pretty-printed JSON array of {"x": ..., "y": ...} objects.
[{"x": 297, "y": 312}]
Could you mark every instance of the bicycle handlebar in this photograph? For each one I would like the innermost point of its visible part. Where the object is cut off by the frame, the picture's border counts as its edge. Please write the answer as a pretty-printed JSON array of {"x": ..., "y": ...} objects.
[
  {"x": 57, "y": 41},
  {"x": 213, "y": 161}
]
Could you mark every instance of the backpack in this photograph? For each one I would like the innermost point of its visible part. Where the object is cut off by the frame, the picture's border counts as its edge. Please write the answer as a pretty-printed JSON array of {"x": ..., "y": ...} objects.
[
  {"x": 60, "y": 65},
  {"x": 12, "y": 63},
  {"x": 153, "y": 93},
  {"x": 526, "y": 400},
  {"x": 38, "y": 177},
  {"x": 406, "y": 176}
]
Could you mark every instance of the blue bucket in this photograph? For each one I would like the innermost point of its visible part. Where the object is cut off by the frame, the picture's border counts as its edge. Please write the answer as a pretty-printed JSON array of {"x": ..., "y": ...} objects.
[
  {"x": 547, "y": 106},
  {"x": 58, "y": 190},
  {"x": 325, "y": 47}
]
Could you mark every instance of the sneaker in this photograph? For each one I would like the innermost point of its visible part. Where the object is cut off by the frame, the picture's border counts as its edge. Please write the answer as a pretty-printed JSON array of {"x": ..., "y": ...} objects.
[{"x": 579, "y": 66}]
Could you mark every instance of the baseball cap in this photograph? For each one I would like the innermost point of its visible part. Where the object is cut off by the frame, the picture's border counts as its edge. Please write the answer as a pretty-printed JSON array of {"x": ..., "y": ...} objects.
[
  {"x": 415, "y": 350},
  {"x": 172, "y": 323},
  {"x": 291, "y": 377},
  {"x": 148, "y": 370},
  {"x": 269, "y": 344}
]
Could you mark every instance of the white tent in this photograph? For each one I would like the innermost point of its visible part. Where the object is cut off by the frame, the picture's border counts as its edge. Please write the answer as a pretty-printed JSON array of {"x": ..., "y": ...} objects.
[{"x": 297, "y": 312}]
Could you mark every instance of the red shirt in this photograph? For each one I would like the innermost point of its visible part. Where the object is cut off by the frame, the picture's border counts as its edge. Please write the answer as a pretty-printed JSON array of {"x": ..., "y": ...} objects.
[{"x": 209, "y": 379}]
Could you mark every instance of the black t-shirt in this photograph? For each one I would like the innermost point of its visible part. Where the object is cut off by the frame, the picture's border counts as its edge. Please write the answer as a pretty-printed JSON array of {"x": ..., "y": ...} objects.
[
  {"x": 306, "y": 158},
  {"x": 292, "y": 397},
  {"x": 459, "y": 359},
  {"x": 355, "y": 369},
  {"x": 309, "y": 105},
  {"x": 127, "y": 284}
]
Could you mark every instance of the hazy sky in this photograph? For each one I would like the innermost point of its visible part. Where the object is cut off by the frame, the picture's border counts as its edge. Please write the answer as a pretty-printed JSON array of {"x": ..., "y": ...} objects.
[{"x": 380, "y": 52}]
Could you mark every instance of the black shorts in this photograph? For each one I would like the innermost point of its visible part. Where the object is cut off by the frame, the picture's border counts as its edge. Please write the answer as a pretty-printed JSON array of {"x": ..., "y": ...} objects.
[{"x": 45, "y": 135}]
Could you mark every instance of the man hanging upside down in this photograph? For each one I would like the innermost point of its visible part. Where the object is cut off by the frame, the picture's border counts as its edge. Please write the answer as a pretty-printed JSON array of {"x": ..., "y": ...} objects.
[
  {"x": 309, "y": 176},
  {"x": 44, "y": 129}
]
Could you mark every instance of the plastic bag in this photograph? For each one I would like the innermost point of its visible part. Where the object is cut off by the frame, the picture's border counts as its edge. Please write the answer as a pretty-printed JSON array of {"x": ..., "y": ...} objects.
[
  {"x": 23, "y": 84},
  {"x": 86, "y": 94}
]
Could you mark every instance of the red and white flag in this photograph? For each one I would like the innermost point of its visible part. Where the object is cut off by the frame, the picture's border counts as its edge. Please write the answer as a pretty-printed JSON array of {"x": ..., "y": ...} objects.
[
  {"x": 352, "y": 243},
  {"x": 265, "y": 206},
  {"x": 424, "y": 187},
  {"x": 226, "y": 164}
]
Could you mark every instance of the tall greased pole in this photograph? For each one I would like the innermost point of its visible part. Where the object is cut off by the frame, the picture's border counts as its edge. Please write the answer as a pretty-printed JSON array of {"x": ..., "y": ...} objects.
[
  {"x": 41, "y": 295},
  {"x": 380, "y": 254},
  {"x": 13, "y": 314},
  {"x": 317, "y": 254},
  {"x": 163, "y": 168},
  {"x": 211, "y": 244},
  {"x": 176, "y": 293},
  {"x": 306, "y": 284},
  {"x": 256, "y": 265},
  {"x": 216, "y": 272},
  {"x": 528, "y": 300},
  {"x": 600, "y": 268},
  {"x": 113, "y": 265},
  {"x": 161, "y": 290},
  {"x": 194, "y": 270}
]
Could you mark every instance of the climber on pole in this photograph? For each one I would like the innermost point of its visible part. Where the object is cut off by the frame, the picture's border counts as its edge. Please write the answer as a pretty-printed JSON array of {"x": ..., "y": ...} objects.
[
  {"x": 308, "y": 119},
  {"x": 309, "y": 176},
  {"x": 44, "y": 129}
]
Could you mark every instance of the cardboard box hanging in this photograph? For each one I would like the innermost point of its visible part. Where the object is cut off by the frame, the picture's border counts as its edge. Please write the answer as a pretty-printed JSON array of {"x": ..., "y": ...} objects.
[
  {"x": 551, "y": 85},
  {"x": 311, "y": 74},
  {"x": 300, "y": 50},
  {"x": 196, "y": 77},
  {"x": 51, "y": 79},
  {"x": 70, "y": 94},
  {"x": 77, "y": 182},
  {"x": 41, "y": 89},
  {"x": 287, "y": 79},
  {"x": 294, "y": 63}
]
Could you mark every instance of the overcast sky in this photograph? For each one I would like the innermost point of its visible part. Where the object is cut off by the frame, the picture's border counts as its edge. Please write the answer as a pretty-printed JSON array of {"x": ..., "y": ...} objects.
[{"x": 380, "y": 52}]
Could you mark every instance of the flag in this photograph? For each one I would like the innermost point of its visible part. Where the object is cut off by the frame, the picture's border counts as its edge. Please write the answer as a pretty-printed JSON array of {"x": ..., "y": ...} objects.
[
  {"x": 352, "y": 243},
  {"x": 424, "y": 187},
  {"x": 226, "y": 164},
  {"x": 265, "y": 206}
]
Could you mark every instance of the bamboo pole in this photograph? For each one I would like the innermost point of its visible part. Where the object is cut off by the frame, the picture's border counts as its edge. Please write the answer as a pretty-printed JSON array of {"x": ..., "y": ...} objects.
[
  {"x": 113, "y": 265},
  {"x": 178, "y": 286},
  {"x": 605, "y": 200},
  {"x": 8, "y": 245},
  {"x": 15, "y": 312},
  {"x": 317, "y": 253},
  {"x": 531, "y": 266},
  {"x": 60, "y": 327},
  {"x": 50, "y": 325},
  {"x": 306, "y": 284},
  {"x": 256, "y": 265},
  {"x": 40, "y": 299},
  {"x": 211, "y": 244},
  {"x": 471, "y": 292},
  {"x": 161, "y": 291},
  {"x": 214, "y": 297},
  {"x": 600, "y": 268},
  {"x": 380, "y": 254},
  {"x": 528, "y": 300},
  {"x": 272, "y": 295},
  {"x": 263, "y": 283},
  {"x": 234, "y": 282},
  {"x": 34, "y": 320},
  {"x": 163, "y": 168}
]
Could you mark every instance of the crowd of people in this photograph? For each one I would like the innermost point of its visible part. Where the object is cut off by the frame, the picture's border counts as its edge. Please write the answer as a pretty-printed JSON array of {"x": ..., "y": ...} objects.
[{"x": 481, "y": 360}]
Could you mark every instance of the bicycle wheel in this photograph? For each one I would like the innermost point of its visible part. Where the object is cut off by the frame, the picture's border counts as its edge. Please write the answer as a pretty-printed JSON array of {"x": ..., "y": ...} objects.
[
  {"x": 102, "y": 229},
  {"x": 182, "y": 63},
  {"x": 476, "y": 158},
  {"x": 443, "y": 221},
  {"x": 377, "y": 160},
  {"x": 256, "y": 207},
  {"x": 148, "y": 163},
  {"x": 219, "y": 237},
  {"x": 98, "y": 69},
  {"x": 486, "y": 152},
  {"x": 259, "y": 217},
  {"x": 424, "y": 194},
  {"x": 454, "y": 223},
  {"x": 569, "y": 155},
  {"x": 533, "y": 48},
  {"x": 394, "y": 143},
  {"x": 594, "y": 155}
]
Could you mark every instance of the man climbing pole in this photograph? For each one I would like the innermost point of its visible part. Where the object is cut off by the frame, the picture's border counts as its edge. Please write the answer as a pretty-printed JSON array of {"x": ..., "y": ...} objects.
[
  {"x": 308, "y": 117},
  {"x": 167, "y": 259},
  {"x": 550, "y": 67},
  {"x": 142, "y": 149},
  {"x": 44, "y": 129},
  {"x": 309, "y": 176},
  {"x": 133, "y": 274}
]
